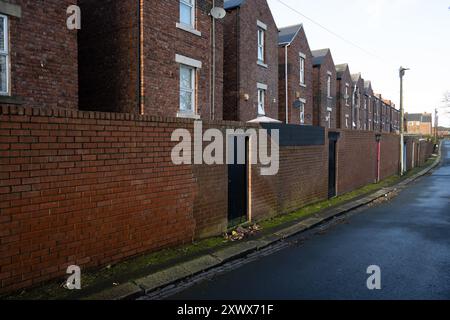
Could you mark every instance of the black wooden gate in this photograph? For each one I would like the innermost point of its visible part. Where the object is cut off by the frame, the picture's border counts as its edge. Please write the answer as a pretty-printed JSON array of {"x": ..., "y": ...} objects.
[
  {"x": 332, "y": 163},
  {"x": 238, "y": 185}
]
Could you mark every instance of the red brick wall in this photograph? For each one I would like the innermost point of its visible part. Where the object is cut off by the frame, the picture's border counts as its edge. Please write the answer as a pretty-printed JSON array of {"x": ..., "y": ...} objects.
[
  {"x": 87, "y": 189},
  {"x": 390, "y": 155},
  {"x": 295, "y": 90},
  {"x": 355, "y": 170},
  {"x": 92, "y": 189},
  {"x": 241, "y": 71},
  {"x": 43, "y": 54},
  {"x": 303, "y": 177}
]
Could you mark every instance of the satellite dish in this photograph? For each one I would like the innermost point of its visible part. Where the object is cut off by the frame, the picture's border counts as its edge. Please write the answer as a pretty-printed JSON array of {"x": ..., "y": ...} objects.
[{"x": 218, "y": 13}]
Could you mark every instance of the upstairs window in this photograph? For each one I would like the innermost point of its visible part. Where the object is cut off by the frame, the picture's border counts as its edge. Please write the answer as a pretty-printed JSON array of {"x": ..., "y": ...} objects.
[
  {"x": 347, "y": 95},
  {"x": 329, "y": 86},
  {"x": 302, "y": 70},
  {"x": 4, "y": 55},
  {"x": 187, "y": 13},
  {"x": 261, "y": 44}
]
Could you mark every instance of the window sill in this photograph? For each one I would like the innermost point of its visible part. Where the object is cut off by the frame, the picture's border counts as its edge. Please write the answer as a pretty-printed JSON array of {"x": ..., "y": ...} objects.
[
  {"x": 188, "y": 29},
  {"x": 262, "y": 64},
  {"x": 11, "y": 100},
  {"x": 184, "y": 115}
]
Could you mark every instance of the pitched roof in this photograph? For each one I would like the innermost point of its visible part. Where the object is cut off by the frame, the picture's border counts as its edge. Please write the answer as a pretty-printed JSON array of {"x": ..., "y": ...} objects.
[
  {"x": 367, "y": 86},
  {"x": 420, "y": 117},
  {"x": 414, "y": 117},
  {"x": 356, "y": 77},
  {"x": 319, "y": 56},
  {"x": 287, "y": 35},
  {"x": 232, "y": 4},
  {"x": 340, "y": 70}
]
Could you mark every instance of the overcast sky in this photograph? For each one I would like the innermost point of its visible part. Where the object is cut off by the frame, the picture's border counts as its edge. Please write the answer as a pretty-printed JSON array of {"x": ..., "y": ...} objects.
[{"x": 411, "y": 33}]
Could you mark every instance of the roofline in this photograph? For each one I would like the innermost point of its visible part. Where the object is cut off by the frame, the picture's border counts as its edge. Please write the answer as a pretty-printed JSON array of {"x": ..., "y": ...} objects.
[{"x": 284, "y": 44}]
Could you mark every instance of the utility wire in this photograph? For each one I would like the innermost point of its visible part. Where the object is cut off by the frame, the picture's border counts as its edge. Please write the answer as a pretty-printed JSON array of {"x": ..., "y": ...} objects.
[{"x": 331, "y": 31}]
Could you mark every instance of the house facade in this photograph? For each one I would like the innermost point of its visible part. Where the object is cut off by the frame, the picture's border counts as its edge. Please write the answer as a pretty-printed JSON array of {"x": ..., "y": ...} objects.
[
  {"x": 369, "y": 103},
  {"x": 396, "y": 120},
  {"x": 38, "y": 55},
  {"x": 295, "y": 76},
  {"x": 152, "y": 58},
  {"x": 344, "y": 97},
  {"x": 357, "y": 100},
  {"x": 419, "y": 123},
  {"x": 386, "y": 115},
  {"x": 376, "y": 113},
  {"x": 324, "y": 84},
  {"x": 250, "y": 61}
]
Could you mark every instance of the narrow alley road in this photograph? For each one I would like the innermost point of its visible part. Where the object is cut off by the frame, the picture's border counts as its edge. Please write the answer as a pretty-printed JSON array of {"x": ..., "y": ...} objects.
[{"x": 407, "y": 237}]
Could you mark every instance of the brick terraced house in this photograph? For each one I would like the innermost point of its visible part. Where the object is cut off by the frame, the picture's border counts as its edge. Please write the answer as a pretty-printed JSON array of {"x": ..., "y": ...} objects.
[
  {"x": 324, "y": 82},
  {"x": 377, "y": 112},
  {"x": 295, "y": 75},
  {"x": 369, "y": 103},
  {"x": 38, "y": 55},
  {"x": 250, "y": 61},
  {"x": 419, "y": 123},
  {"x": 344, "y": 96},
  {"x": 357, "y": 100},
  {"x": 386, "y": 115},
  {"x": 364, "y": 111},
  {"x": 151, "y": 57}
]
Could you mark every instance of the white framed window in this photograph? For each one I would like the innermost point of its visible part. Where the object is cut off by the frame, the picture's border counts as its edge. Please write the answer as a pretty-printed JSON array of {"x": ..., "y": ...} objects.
[
  {"x": 302, "y": 111},
  {"x": 261, "y": 44},
  {"x": 187, "y": 89},
  {"x": 347, "y": 95},
  {"x": 302, "y": 69},
  {"x": 261, "y": 102},
  {"x": 329, "y": 119},
  {"x": 329, "y": 86},
  {"x": 4, "y": 56},
  {"x": 187, "y": 13}
]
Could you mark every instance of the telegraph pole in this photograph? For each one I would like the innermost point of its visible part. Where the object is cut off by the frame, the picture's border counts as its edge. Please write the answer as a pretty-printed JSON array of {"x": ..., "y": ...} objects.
[
  {"x": 436, "y": 123},
  {"x": 402, "y": 125}
]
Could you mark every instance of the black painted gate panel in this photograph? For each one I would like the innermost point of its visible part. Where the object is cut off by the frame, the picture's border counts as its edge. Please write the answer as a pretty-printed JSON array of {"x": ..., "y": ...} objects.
[
  {"x": 238, "y": 187},
  {"x": 332, "y": 169}
]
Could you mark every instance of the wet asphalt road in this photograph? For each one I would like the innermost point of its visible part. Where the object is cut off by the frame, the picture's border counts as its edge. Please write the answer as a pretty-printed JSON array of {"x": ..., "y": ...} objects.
[{"x": 407, "y": 237}]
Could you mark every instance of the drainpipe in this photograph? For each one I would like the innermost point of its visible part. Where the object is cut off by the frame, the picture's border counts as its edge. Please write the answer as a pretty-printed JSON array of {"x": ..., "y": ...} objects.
[
  {"x": 141, "y": 89},
  {"x": 378, "y": 138},
  {"x": 213, "y": 76},
  {"x": 286, "y": 82}
]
